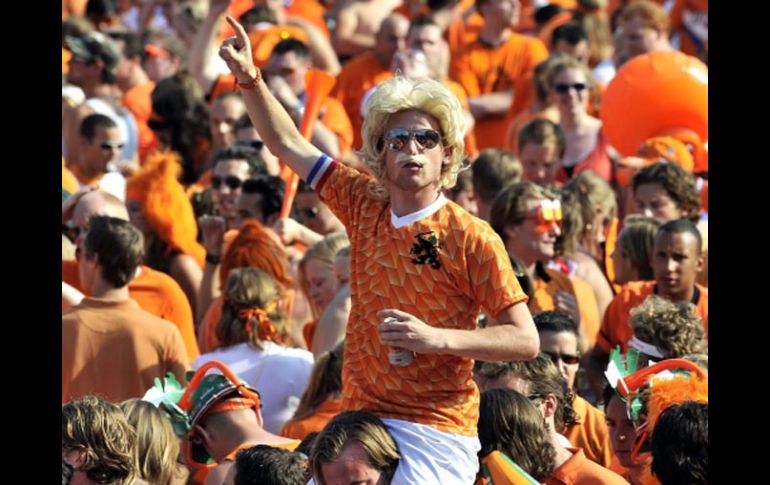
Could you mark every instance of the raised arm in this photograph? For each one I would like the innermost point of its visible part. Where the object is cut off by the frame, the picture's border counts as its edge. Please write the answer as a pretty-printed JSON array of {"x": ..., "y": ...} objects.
[
  {"x": 268, "y": 116},
  {"x": 204, "y": 46}
]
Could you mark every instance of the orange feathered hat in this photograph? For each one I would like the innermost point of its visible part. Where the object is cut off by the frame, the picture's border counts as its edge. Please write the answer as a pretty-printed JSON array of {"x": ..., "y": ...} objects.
[
  {"x": 165, "y": 206},
  {"x": 667, "y": 392}
]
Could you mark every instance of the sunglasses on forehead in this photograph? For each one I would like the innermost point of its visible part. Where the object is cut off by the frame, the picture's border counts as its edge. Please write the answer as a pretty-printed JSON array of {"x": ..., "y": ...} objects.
[
  {"x": 563, "y": 88},
  {"x": 547, "y": 213},
  {"x": 231, "y": 181},
  {"x": 397, "y": 138}
]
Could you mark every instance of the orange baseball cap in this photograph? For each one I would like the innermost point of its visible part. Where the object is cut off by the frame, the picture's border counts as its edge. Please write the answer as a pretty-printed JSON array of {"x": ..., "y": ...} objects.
[{"x": 653, "y": 150}]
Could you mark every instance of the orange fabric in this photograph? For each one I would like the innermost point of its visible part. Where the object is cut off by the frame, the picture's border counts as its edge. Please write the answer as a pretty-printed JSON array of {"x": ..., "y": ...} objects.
[
  {"x": 255, "y": 246},
  {"x": 590, "y": 433},
  {"x": 336, "y": 119},
  {"x": 357, "y": 76},
  {"x": 116, "y": 350},
  {"x": 235, "y": 10},
  {"x": 156, "y": 293},
  {"x": 82, "y": 179},
  {"x": 264, "y": 40},
  {"x": 224, "y": 83},
  {"x": 474, "y": 271},
  {"x": 704, "y": 196},
  {"x": 579, "y": 470},
  {"x": 323, "y": 414},
  {"x": 138, "y": 100},
  {"x": 308, "y": 332},
  {"x": 544, "y": 299},
  {"x": 483, "y": 70},
  {"x": 616, "y": 327},
  {"x": 470, "y": 139},
  {"x": 66, "y": 55},
  {"x": 68, "y": 180},
  {"x": 310, "y": 10},
  {"x": 165, "y": 205},
  {"x": 466, "y": 27}
]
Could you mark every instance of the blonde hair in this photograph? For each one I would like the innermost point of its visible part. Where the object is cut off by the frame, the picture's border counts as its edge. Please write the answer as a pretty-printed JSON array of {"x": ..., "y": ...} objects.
[
  {"x": 323, "y": 251},
  {"x": 593, "y": 194},
  {"x": 674, "y": 328},
  {"x": 401, "y": 94},
  {"x": 157, "y": 446}
]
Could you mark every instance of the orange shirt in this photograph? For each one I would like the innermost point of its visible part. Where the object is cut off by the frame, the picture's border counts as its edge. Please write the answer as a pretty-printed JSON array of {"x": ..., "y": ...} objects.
[
  {"x": 156, "y": 293},
  {"x": 357, "y": 76},
  {"x": 482, "y": 69},
  {"x": 544, "y": 299},
  {"x": 616, "y": 327},
  {"x": 580, "y": 471},
  {"x": 68, "y": 180},
  {"x": 465, "y": 28},
  {"x": 308, "y": 332},
  {"x": 310, "y": 10},
  {"x": 590, "y": 433},
  {"x": 444, "y": 284},
  {"x": 138, "y": 100},
  {"x": 470, "y": 139},
  {"x": 323, "y": 414}
]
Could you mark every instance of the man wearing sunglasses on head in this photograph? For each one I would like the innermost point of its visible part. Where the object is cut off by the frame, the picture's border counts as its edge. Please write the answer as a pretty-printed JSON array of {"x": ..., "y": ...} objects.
[{"x": 421, "y": 268}]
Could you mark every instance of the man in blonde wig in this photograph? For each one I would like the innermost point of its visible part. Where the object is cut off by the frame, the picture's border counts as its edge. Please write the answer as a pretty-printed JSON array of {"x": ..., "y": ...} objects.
[{"x": 421, "y": 268}]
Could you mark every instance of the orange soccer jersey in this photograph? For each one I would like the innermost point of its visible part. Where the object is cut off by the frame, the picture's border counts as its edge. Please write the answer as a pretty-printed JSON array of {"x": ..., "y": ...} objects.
[
  {"x": 483, "y": 69},
  {"x": 441, "y": 265}
]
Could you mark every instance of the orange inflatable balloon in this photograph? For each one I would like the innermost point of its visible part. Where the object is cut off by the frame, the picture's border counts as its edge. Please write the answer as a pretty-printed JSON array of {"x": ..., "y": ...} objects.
[{"x": 653, "y": 93}]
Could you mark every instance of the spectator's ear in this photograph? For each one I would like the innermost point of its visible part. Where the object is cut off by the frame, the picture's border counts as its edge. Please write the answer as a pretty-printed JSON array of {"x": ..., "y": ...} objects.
[{"x": 550, "y": 404}]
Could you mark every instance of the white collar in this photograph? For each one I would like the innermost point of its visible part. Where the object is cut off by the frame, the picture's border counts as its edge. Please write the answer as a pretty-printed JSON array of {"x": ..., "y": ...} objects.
[{"x": 399, "y": 222}]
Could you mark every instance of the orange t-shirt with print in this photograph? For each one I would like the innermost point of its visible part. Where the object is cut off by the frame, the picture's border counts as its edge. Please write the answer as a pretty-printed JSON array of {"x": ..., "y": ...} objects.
[
  {"x": 442, "y": 268},
  {"x": 616, "y": 325},
  {"x": 481, "y": 69}
]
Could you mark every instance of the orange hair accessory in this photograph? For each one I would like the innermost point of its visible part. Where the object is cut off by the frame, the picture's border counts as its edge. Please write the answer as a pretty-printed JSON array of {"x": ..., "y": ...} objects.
[
  {"x": 266, "y": 331},
  {"x": 165, "y": 205}
]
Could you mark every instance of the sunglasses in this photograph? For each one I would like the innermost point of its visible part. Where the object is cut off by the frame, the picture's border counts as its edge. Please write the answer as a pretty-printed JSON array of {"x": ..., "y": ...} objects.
[
  {"x": 308, "y": 213},
  {"x": 563, "y": 88},
  {"x": 566, "y": 358},
  {"x": 397, "y": 138},
  {"x": 231, "y": 181},
  {"x": 548, "y": 213},
  {"x": 111, "y": 146},
  {"x": 255, "y": 144}
]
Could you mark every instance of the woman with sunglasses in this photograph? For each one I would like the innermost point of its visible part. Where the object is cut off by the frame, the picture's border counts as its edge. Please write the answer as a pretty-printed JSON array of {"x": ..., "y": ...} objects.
[{"x": 570, "y": 81}]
